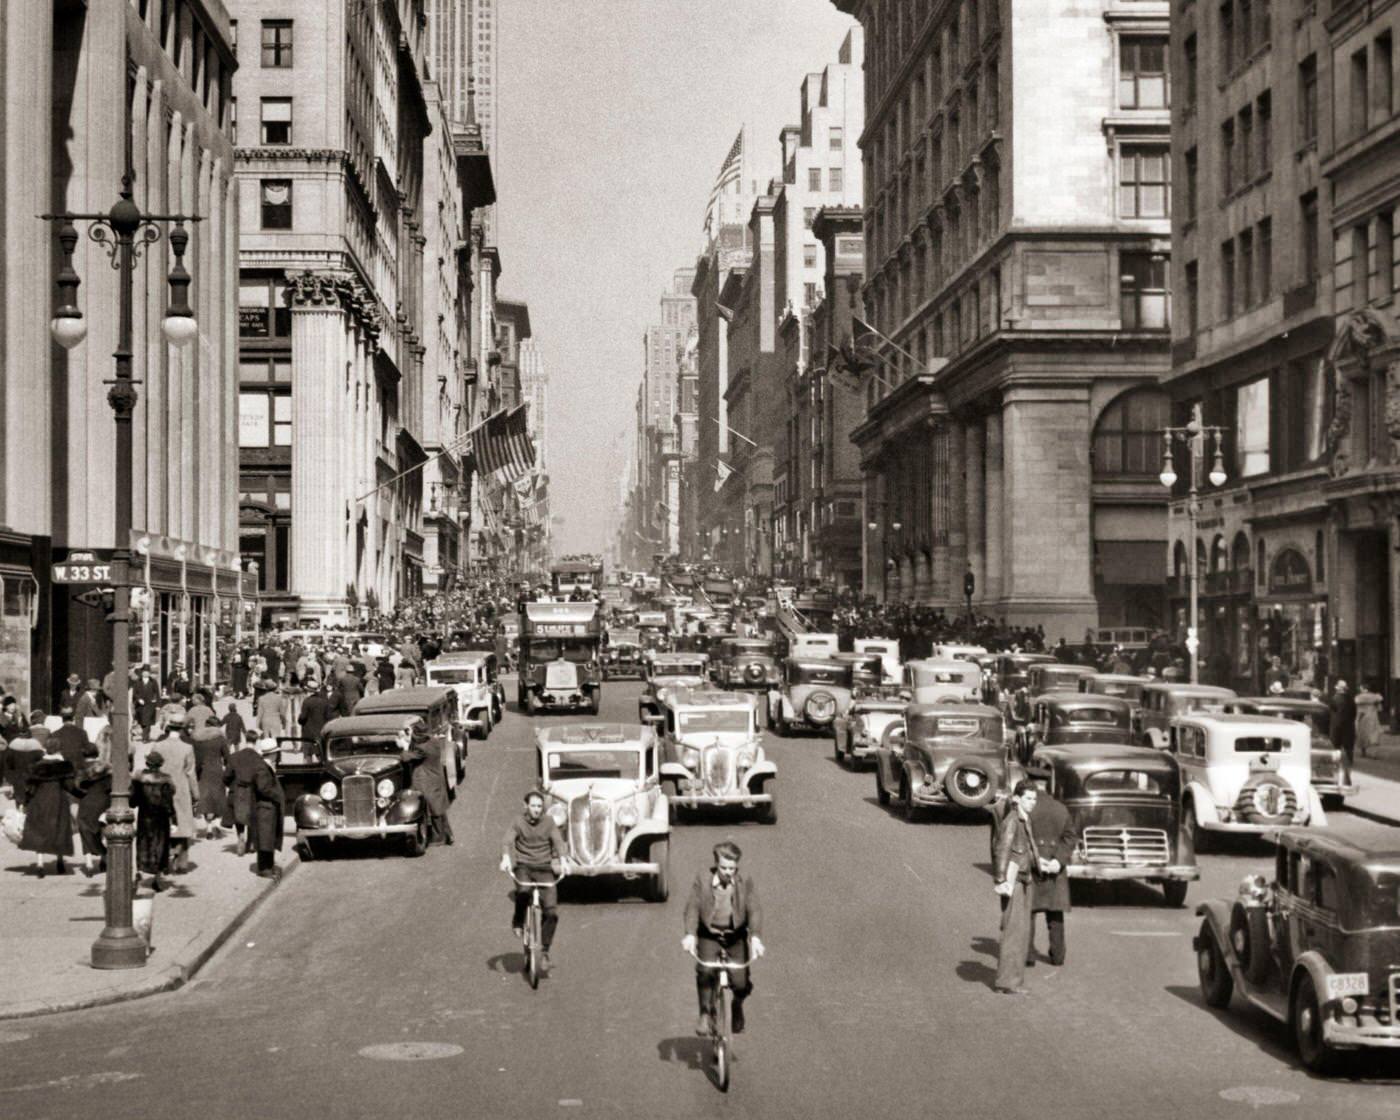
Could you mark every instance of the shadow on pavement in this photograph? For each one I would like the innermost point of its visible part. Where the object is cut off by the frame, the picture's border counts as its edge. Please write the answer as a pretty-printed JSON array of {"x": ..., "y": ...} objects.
[
  {"x": 512, "y": 964},
  {"x": 689, "y": 1050},
  {"x": 975, "y": 972}
]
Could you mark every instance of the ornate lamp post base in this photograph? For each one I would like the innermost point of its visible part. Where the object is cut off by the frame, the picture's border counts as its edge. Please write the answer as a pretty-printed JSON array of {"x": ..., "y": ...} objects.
[{"x": 119, "y": 945}]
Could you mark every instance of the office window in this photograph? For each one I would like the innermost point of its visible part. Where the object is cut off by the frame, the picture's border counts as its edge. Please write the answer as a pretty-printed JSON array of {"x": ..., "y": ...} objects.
[
  {"x": 1128, "y": 436},
  {"x": 276, "y": 120},
  {"x": 1192, "y": 170},
  {"x": 1227, "y": 159},
  {"x": 1385, "y": 255},
  {"x": 837, "y": 139},
  {"x": 1309, "y": 235},
  {"x": 276, "y": 43},
  {"x": 1359, "y": 110},
  {"x": 835, "y": 181},
  {"x": 1193, "y": 298},
  {"x": 1264, "y": 259},
  {"x": 1360, "y": 267},
  {"x": 1252, "y": 428},
  {"x": 814, "y": 178},
  {"x": 1307, "y": 100},
  {"x": 1244, "y": 249},
  {"x": 276, "y": 203},
  {"x": 1380, "y": 101},
  {"x": 1227, "y": 36},
  {"x": 1143, "y": 291},
  {"x": 993, "y": 97},
  {"x": 1227, "y": 280},
  {"x": 808, "y": 214},
  {"x": 1300, "y": 416},
  {"x": 232, "y": 30},
  {"x": 264, "y": 418},
  {"x": 1189, "y": 48},
  {"x": 1142, "y": 73},
  {"x": 1264, "y": 131},
  {"x": 809, "y": 294},
  {"x": 809, "y": 256},
  {"x": 1244, "y": 147},
  {"x": 1144, "y": 182}
]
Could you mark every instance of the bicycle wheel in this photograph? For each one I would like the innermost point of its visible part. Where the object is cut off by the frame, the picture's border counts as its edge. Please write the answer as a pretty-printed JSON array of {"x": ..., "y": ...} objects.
[
  {"x": 532, "y": 946},
  {"x": 724, "y": 1025}
]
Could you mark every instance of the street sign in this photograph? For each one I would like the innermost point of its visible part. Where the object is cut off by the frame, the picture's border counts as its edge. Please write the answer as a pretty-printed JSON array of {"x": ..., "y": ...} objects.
[
  {"x": 93, "y": 596},
  {"x": 84, "y": 567}
]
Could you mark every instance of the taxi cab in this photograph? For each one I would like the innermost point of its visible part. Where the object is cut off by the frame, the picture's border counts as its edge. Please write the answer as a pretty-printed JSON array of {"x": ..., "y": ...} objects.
[
  {"x": 932, "y": 681},
  {"x": 1163, "y": 701},
  {"x": 665, "y": 671},
  {"x": 943, "y": 755},
  {"x": 712, "y": 753}
]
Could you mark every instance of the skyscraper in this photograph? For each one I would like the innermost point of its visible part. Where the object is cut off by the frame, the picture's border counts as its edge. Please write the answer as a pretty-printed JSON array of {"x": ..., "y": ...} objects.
[{"x": 462, "y": 54}]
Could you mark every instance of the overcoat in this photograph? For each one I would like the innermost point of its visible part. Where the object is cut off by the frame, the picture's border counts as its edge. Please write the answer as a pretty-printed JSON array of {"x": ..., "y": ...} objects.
[
  {"x": 269, "y": 809},
  {"x": 153, "y": 796},
  {"x": 210, "y": 758},
  {"x": 179, "y": 767},
  {"x": 240, "y": 774},
  {"x": 428, "y": 777},
  {"x": 48, "y": 821},
  {"x": 1053, "y": 829}
]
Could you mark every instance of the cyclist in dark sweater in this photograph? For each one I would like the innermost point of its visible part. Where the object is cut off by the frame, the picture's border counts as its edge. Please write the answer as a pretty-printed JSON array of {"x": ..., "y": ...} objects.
[{"x": 534, "y": 852}]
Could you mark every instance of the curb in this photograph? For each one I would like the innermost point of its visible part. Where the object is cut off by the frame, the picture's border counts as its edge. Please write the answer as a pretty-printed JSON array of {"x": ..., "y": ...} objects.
[{"x": 173, "y": 976}]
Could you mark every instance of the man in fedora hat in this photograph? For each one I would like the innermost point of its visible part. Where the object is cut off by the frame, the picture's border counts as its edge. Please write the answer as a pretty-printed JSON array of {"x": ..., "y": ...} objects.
[
  {"x": 145, "y": 697},
  {"x": 68, "y": 698},
  {"x": 269, "y": 808},
  {"x": 1344, "y": 720}
]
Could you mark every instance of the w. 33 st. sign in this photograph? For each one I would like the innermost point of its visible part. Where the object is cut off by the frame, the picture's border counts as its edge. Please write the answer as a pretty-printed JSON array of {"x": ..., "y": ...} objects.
[{"x": 84, "y": 567}]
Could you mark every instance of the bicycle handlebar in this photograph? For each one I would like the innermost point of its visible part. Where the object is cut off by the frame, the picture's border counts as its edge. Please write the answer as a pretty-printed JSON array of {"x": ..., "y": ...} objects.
[
  {"x": 719, "y": 965},
  {"x": 523, "y": 883}
]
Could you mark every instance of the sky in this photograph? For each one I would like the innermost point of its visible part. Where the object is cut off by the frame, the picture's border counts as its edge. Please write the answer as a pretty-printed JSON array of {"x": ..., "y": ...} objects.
[{"x": 614, "y": 117}]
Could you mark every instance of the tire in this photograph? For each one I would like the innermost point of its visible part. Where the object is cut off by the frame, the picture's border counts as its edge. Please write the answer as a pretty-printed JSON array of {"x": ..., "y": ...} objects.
[
  {"x": 1174, "y": 893},
  {"x": 906, "y": 801},
  {"x": 1192, "y": 828},
  {"x": 533, "y": 950},
  {"x": 659, "y": 889},
  {"x": 1249, "y": 938},
  {"x": 836, "y": 747},
  {"x": 768, "y": 810},
  {"x": 780, "y": 725},
  {"x": 812, "y": 700},
  {"x": 1217, "y": 985},
  {"x": 722, "y": 1055},
  {"x": 416, "y": 842},
  {"x": 966, "y": 792},
  {"x": 1306, "y": 1021},
  {"x": 671, "y": 790},
  {"x": 313, "y": 848},
  {"x": 882, "y": 795}
]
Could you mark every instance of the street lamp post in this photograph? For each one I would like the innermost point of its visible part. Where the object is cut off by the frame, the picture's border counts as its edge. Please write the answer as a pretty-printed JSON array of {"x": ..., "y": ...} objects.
[
  {"x": 123, "y": 231},
  {"x": 1194, "y": 436}
]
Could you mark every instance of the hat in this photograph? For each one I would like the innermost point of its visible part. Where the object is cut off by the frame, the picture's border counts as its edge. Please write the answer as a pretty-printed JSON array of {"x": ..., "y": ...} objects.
[
  {"x": 268, "y": 746},
  {"x": 154, "y": 760},
  {"x": 420, "y": 732},
  {"x": 1341, "y": 686},
  {"x": 94, "y": 684},
  {"x": 1276, "y": 689},
  {"x": 73, "y": 678},
  {"x": 176, "y": 718}
]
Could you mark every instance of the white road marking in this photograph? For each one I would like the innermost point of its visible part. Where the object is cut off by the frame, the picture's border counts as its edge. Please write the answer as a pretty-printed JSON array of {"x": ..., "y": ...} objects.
[
  {"x": 14, "y": 1036},
  {"x": 1147, "y": 933},
  {"x": 570, "y": 1101},
  {"x": 1257, "y": 1095},
  {"x": 912, "y": 872},
  {"x": 410, "y": 1051},
  {"x": 75, "y": 1081}
]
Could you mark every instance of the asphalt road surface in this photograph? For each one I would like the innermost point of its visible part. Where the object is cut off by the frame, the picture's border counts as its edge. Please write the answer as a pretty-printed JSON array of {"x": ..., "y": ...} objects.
[{"x": 376, "y": 986}]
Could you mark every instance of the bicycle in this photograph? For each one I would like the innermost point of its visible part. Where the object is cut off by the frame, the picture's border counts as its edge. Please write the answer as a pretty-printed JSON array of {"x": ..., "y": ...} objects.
[
  {"x": 722, "y": 1018},
  {"x": 533, "y": 933}
]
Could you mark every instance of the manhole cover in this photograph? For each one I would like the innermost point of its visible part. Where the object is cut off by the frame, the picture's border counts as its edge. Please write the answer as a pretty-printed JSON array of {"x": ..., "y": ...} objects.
[
  {"x": 410, "y": 1051},
  {"x": 1257, "y": 1095},
  {"x": 13, "y": 1036}
]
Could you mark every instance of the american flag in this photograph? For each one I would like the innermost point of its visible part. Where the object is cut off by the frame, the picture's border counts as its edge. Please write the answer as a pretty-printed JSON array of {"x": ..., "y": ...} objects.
[
  {"x": 730, "y": 171},
  {"x": 502, "y": 442}
]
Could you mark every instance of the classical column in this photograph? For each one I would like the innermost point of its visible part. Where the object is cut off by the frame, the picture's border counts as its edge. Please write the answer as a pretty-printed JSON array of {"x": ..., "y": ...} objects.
[
  {"x": 957, "y": 512},
  {"x": 974, "y": 505},
  {"x": 940, "y": 513},
  {"x": 318, "y": 443},
  {"x": 995, "y": 509},
  {"x": 923, "y": 578}
]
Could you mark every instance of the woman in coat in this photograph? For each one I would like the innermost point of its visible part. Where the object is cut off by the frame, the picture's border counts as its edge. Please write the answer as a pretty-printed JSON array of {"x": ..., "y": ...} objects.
[
  {"x": 92, "y": 786},
  {"x": 153, "y": 797},
  {"x": 210, "y": 757},
  {"x": 23, "y": 752},
  {"x": 428, "y": 779},
  {"x": 48, "y": 820}
]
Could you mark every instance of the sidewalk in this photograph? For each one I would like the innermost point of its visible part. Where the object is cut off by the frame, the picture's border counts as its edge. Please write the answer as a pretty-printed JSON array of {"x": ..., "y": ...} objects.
[
  {"x": 1379, "y": 778},
  {"x": 48, "y": 925}
]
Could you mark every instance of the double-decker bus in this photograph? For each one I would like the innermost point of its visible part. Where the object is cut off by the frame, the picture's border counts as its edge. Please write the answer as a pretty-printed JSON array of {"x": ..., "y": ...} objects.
[{"x": 569, "y": 576}]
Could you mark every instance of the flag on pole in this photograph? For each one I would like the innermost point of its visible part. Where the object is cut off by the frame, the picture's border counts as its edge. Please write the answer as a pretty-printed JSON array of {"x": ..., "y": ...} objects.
[
  {"x": 502, "y": 442},
  {"x": 730, "y": 171},
  {"x": 722, "y": 472}
]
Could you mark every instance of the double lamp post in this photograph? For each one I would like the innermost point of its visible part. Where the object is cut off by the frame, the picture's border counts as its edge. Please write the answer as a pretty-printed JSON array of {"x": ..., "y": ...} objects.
[{"x": 123, "y": 231}]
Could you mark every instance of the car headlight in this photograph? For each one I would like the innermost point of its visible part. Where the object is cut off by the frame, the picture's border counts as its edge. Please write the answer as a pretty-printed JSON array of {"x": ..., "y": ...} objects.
[
  {"x": 558, "y": 814},
  {"x": 627, "y": 815},
  {"x": 690, "y": 758},
  {"x": 385, "y": 788},
  {"x": 328, "y": 791},
  {"x": 745, "y": 759}
]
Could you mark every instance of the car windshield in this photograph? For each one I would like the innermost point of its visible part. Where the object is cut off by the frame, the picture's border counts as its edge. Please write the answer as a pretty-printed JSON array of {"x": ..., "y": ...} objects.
[
  {"x": 594, "y": 764},
  {"x": 1261, "y": 744},
  {"x": 925, "y": 677},
  {"x": 948, "y": 727},
  {"x": 1122, "y": 781},
  {"x": 1117, "y": 688},
  {"x": 679, "y": 669},
  {"x": 1093, "y": 715},
  {"x": 1198, "y": 704},
  {"x": 552, "y": 649},
  {"x": 343, "y": 746},
  {"x": 465, "y": 675},
  {"x": 715, "y": 720}
]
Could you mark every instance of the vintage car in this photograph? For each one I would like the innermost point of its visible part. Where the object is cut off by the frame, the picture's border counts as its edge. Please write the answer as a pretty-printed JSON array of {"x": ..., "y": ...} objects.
[
  {"x": 941, "y": 755},
  {"x": 888, "y": 651},
  {"x": 1163, "y": 701},
  {"x": 1331, "y": 773},
  {"x": 1040, "y": 677},
  {"x": 1125, "y": 802},
  {"x": 1317, "y": 947},
  {"x": 955, "y": 651},
  {"x": 712, "y": 753},
  {"x": 745, "y": 663},
  {"x": 859, "y": 731},
  {"x": 813, "y": 645},
  {"x": 1069, "y": 718},
  {"x": 867, "y": 672},
  {"x": 623, "y": 658},
  {"x": 466, "y": 674},
  {"x": 1009, "y": 671},
  {"x": 602, "y": 787},
  {"x": 560, "y": 647},
  {"x": 1244, "y": 774},
  {"x": 1122, "y": 685},
  {"x": 665, "y": 671},
  {"x": 930, "y": 681},
  {"x": 437, "y": 707},
  {"x": 654, "y": 630},
  {"x": 814, "y": 692},
  {"x": 365, "y": 765}
]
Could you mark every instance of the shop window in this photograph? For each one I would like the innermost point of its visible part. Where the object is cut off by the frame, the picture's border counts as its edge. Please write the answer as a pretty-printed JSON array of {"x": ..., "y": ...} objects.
[
  {"x": 1217, "y": 555},
  {"x": 1261, "y": 573},
  {"x": 1239, "y": 553},
  {"x": 264, "y": 418},
  {"x": 1320, "y": 555},
  {"x": 262, "y": 312}
]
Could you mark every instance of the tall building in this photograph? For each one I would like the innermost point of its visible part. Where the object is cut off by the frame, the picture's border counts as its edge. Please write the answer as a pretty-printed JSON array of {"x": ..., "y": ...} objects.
[
  {"x": 534, "y": 391},
  {"x": 1284, "y": 258},
  {"x": 86, "y": 84},
  {"x": 461, "y": 54},
  {"x": 337, "y": 250},
  {"x": 1017, "y": 244}
]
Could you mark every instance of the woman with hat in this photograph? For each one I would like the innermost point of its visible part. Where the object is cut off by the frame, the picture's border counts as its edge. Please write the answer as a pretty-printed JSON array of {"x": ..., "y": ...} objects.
[
  {"x": 153, "y": 796},
  {"x": 428, "y": 779},
  {"x": 92, "y": 786},
  {"x": 48, "y": 818}
]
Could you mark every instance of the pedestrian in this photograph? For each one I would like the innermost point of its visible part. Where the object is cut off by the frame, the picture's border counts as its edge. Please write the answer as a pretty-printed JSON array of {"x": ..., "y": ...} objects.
[
  {"x": 405, "y": 675},
  {"x": 385, "y": 674},
  {"x": 266, "y": 823},
  {"x": 89, "y": 705},
  {"x": 210, "y": 757},
  {"x": 23, "y": 752},
  {"x": 48, "y": 813},
  {"x": 429, "y": 780},
  {"x": 1275, "y": 672},
  {"x": 153, "y": 797},
  {"x": 272, "y": 711},
  {"x": 145, "y": 699},
  {"x": 1052, "y": 829},
  {"x": 234, "y": 727},
  {"x": 349, "y": 692},
  {"x": 68, "y": 698},
  {"x": 1343, "y": 720},
  {"x": 201, "y": 710},
  {"x": 177, "y": 757},
  {"x": 315, "y": 711},
  {"x": 1368, "y": 721},
  {"x": 1013, "y": 866},
  {"x": 92, "y": 786},
  {"x": 240, "y": 775}
]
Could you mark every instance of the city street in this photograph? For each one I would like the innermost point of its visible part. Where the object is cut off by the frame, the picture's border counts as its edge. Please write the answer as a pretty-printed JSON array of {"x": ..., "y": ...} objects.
[{"x": 875, "y": 996}]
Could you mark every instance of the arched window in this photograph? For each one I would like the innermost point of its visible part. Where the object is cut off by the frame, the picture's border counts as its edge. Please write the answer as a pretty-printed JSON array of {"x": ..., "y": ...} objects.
[
  {"x": 1217, "y": 554},
  {"x": 1128, "y": 436},
  {"x": 1239, "y": 553}
]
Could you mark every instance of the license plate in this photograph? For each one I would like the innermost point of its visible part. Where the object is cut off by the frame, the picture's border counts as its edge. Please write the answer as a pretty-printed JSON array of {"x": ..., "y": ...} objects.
[{"x": 1348, "y": 984}]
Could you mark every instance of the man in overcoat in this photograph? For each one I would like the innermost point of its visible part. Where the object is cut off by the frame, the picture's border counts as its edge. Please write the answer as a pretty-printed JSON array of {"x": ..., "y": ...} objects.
[
  {"x": 269, "y": 810},
  {"x": 240, "y": 776},
  {"x": 1053, "y": 829},
  {"x": 428, "y": 779},
  {"x": 145, "y": 699}
]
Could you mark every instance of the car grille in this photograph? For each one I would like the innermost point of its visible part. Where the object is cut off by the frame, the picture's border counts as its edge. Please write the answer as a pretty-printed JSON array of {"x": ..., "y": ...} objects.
[
  {"x": 590, "y": 830},
  {"x": 560, "y": 676},
  {"x": 1124, "y": 847},
  {"x": 357, "y": 795},
  {"x": 717, "y": 765},
  {"x": 1265, "y": 801}
]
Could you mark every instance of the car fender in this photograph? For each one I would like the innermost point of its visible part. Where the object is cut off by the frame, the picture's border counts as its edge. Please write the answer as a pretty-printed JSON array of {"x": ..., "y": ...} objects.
[
  {"x": 1216, "y": 912},
  {"x": 406, "y": 809},
  {"x": 309, "y": 811},
  {"x": 1315, "y": 965},
  {"x": 1317, "y": 815},
  {"x": 642, "y": 830},
  {"x": 1199, "y": 796},
  {"x": 675, "y": 770},
  {"x": 914, "y": 769},
  {"x": 1158, "y": 737},
  {"x": 760, "y": 770}
]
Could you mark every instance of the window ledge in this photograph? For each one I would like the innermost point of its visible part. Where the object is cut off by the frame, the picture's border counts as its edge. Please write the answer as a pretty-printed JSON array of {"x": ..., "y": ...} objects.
[{"x": 1306, "y": 148}]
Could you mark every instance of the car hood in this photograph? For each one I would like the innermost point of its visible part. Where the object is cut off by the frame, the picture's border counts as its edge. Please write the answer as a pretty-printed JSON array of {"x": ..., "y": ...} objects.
[
  {"x": 866, "y": 707},
  {"x": 607, "y": 789},
  {"x": 375, "y": 764},
  {"x": 730, "y": 739}
]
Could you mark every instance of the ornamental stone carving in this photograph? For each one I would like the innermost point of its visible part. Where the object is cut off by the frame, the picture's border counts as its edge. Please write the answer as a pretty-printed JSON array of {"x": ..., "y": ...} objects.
[
  {"x": 1392, "y": 408},
  {"x": 341, "y": 291},
  {"x": 1360, "y": 339}
]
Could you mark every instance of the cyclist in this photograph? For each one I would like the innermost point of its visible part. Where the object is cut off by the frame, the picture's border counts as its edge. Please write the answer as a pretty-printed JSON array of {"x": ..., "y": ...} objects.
[
  {"x": 723, "y": 912},
  {"x": 534, "y": 852}
]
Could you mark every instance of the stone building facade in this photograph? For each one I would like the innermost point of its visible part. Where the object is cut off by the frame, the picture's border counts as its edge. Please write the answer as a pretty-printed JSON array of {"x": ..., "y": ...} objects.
[
  {"x": 97, "y": 78},
  {"x": 1017, "y": 243}
]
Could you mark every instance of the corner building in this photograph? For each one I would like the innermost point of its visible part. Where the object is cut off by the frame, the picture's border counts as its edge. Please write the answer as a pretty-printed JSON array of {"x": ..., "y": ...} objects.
[{"x": 1017, "y": 222}]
